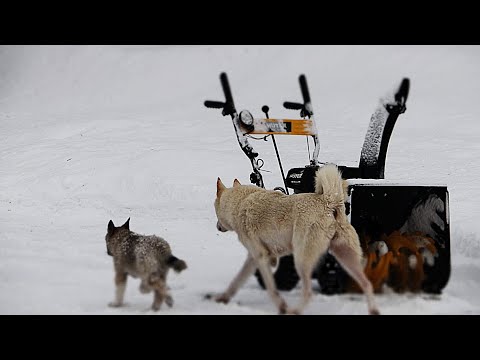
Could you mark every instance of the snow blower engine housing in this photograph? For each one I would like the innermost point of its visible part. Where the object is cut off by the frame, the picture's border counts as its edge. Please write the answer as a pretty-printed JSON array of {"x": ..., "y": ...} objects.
[{"x": 403, "y": 228}]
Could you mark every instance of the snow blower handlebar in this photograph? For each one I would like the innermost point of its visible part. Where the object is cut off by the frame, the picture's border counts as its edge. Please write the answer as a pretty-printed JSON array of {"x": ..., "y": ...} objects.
[
  {"x": 214, "y": 104},
  {"x": 228, "y": 106},
  {"x": 402, "y": 94},
  {"x": 229, "y": 109},
  {"x": 306, "y": 109}
]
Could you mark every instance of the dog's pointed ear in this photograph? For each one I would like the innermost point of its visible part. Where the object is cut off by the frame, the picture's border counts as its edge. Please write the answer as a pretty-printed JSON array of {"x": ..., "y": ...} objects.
[
  {"x": 126, "y": 225},
  {"x": 111, "y": 227},
  {"x": 236, "y": 183},
  {"x": 220, "y": 187}
]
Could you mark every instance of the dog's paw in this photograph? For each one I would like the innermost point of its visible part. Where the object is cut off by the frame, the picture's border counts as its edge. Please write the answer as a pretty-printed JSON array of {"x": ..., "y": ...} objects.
[
  {"x": 115, "y": 304},
  {"x": 169, "y": 301},
  {"x": 289, "y": 311},
  {"x": 283, "y": 309},
  {"x": 219, "y": 298},
  {"x": 156, "y": 307},
  {"x": 374, "y": 312}
]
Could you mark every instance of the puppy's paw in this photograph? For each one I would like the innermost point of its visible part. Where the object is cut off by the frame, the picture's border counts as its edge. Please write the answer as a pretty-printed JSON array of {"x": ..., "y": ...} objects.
[
  {"x": 222, "y": 299},
  {"x": 115, "y": 304},
  {"x": 156, "y": 307},
  {"x": 169, "y": 301}
]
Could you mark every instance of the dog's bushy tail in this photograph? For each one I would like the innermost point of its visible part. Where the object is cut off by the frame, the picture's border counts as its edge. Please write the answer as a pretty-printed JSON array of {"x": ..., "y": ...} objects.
[
  {"x": 176, "y": 264},
  {"x": 329, "y": 183}
]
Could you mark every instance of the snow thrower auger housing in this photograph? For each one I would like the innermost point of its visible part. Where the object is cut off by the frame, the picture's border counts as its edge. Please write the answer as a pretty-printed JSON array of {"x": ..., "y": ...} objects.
[{"x": 403, "y": 228}]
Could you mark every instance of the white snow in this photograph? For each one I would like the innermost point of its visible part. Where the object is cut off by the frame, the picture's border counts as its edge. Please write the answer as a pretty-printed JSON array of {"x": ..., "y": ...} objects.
[{"x": 93, "y": 133}]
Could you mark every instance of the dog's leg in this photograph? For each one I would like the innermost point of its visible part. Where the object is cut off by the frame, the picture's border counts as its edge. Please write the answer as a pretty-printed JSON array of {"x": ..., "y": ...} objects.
[
  {"x": 306, "y": 253},
  {"x": 120, "y": 284},
  {"x": 350, "y": 260},
  {"x": 263, "y": 263},
  {"x": 245, "y": 272}
]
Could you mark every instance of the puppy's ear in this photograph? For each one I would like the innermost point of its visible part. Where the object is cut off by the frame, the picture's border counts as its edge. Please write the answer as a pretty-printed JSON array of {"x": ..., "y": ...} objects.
[
  {"x": 220, "y": 187},
  {"x": 236, "y": 183},
  {"x": 126, "y": 225},
  {"x": 110, "y": 228}
]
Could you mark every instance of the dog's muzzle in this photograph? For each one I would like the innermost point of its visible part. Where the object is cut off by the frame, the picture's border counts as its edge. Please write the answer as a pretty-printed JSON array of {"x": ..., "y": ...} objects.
[{"x": 220, "y": 227}]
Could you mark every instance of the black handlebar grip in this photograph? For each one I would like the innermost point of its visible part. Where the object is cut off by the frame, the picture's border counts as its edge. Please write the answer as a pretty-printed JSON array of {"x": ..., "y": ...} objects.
[
  {"x": 214, "y": 104},
  {"x": 226, "y": 89},
  {"x": 402, "y": 94},
  {"x": 292, "y": 106},
  {"x": 303, "y": 86}
]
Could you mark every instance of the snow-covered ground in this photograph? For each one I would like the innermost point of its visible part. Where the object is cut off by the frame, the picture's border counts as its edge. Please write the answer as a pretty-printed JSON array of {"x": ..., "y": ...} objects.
[{"x": 93, "y": 133}]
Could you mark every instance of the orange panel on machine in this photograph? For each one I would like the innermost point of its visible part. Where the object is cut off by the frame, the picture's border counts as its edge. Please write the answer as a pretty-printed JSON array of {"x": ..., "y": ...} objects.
[{"x": 283, "y": 127}]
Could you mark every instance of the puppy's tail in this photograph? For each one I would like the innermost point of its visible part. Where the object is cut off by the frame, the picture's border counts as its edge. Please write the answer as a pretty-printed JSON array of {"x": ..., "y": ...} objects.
[
  {"x": 176, "y": 264},
  {"x": 329, "y": 183}
]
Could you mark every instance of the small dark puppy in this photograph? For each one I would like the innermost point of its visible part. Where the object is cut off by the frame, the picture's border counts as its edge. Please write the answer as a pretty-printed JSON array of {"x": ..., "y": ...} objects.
[{"x": 146, "y": 257}]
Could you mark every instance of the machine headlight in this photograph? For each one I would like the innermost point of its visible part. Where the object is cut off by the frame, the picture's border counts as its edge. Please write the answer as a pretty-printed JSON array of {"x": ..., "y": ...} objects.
[{"x": 246, "y": 118}]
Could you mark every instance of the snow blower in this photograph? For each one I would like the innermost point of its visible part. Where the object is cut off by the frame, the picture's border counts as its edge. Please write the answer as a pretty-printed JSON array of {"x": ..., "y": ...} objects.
[{"x": 403, "y": 228}]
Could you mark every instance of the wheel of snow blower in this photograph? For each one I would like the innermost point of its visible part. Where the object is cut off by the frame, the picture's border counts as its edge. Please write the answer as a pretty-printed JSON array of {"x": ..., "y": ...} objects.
[{"x": 286, "y": 277}]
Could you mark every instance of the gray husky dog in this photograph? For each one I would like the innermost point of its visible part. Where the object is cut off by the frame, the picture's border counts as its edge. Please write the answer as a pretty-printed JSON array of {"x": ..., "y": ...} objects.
[
  {"x": 146, "y": 257},
  {"x": 271, "y": 224}
]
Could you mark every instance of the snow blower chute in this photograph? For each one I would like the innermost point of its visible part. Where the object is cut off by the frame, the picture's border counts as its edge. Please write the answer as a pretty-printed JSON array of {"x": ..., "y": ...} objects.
[{"x": 403, "y": 228}]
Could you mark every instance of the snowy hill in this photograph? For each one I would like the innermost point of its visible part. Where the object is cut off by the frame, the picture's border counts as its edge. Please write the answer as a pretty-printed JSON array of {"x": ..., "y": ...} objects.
[{"x": 93, "y": 133}]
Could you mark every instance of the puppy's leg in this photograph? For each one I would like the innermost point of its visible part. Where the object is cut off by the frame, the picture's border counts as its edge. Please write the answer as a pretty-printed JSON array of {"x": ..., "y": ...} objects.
[
  {"x": 347, "y": 252},
  {"x": 306, "y": 254},
  {"x": 160, "y": 293},
  {"x": 120, "y": 283},
  {"x": 245, "y": 272},
  {"x": 263, "y": 263},
  {"x": 144, "y": 287},
  {"x": 169, "y": 300}
]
